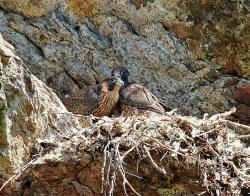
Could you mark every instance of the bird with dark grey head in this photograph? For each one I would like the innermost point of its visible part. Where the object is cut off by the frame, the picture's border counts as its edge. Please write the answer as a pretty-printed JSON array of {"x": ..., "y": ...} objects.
[
  {"x": 135, "y": 98},
  {"x": 99, "y": 100}
]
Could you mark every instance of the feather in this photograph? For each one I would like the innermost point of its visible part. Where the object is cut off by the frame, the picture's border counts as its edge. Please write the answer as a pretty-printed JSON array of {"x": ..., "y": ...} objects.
[{"x": 98, "y": 100}]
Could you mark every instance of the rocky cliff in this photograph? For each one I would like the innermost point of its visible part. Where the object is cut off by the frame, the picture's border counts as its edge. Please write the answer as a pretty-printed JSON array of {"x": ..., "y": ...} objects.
[
  {"x": 45, "y": 150},
  {"x": 28, "y": 108},
  {"x": 194, "y": 55}
]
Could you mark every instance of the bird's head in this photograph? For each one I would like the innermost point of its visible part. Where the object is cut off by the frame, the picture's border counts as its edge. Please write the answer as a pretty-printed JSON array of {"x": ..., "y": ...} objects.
[
  {"x": 110, "y": 83},
  {"x": 121, "y": 72}
]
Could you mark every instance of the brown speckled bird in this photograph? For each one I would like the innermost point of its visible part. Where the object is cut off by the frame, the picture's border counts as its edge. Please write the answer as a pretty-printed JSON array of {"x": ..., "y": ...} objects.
[
  {"x": 98, "y": 100},
  {"x": 135, "y": 98}
]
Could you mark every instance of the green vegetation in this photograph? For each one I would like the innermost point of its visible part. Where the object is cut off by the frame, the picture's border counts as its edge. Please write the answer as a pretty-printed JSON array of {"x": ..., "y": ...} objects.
[{"x": 173, "y": 191}]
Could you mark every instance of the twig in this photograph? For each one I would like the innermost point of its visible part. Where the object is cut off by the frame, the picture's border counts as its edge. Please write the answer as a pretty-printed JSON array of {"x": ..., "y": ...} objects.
[
  {"x": 162, "y": 171},
  {"x": 104, "y": 166},
  {"x": 134, "y": 175},
  {"x": 243, "y": 136},
  {"x": 168, "y": 148},
  {"x": 125, "y": 181},
  {"x": 5, "y": 183},
  {"x": 222, "y": 115},
  {"x": 207, "y": 132},
  {"x": 236, "y": 170},
  {"x": 202, "y": 193},
  {"x": 244, "y": 128},
  {"x": 18, "y": 174},
  {"x": 126, "y": 153},
  {"x": 245, "y": 6}
]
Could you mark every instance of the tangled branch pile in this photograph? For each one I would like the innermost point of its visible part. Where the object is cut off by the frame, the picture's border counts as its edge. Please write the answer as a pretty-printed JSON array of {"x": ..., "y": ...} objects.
[{"x": 207, "y": 144}]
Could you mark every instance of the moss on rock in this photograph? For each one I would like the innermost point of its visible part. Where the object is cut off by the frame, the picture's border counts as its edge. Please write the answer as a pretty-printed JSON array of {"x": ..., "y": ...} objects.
[{"x": 176, "y": 190}]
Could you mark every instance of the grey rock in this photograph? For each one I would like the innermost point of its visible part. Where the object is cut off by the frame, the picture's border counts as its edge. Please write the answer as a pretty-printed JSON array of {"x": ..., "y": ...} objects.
[
  {"x": 28, "y": 108},
  {"x": 69, "y": 51}
]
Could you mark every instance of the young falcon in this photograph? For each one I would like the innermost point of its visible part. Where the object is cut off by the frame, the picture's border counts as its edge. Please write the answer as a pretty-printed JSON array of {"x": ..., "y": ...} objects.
[
  {"x": 98, "y": 100},
  {"x": 135, "y": 98}
]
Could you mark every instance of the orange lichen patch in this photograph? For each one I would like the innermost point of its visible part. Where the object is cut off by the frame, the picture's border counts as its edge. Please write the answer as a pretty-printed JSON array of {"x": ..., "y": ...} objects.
[
  {"x": 242, "y": 95},
  {"x": 229, "y": 66},
  {"x": 193, "y": 44},
  {"x": 81, "y": 8},
  {"x": 167, "y": 24},
  {"x": 222, "y": 31},
  {"x": 180, "y": 29},
  {"x": 228, "y": 59}
]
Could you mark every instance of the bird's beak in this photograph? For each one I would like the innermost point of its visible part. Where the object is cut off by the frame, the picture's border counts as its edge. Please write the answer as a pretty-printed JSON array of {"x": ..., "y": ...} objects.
[
  {"x": 119, "y": 82},
  {"x": 117, "y": 74}
]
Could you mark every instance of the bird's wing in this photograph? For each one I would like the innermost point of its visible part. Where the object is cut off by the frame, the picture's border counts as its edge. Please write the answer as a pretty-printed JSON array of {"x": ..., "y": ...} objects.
[
  {"x": 140, "y": 97},
  {"x": 166, "y": 108},
  {"x": 83, "y": 101}
]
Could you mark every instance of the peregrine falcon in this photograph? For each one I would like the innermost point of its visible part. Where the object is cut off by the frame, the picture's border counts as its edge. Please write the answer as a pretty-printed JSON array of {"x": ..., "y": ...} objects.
[
  {"x": 135, "y": 98},
  {"x": 98, "y": 100}
]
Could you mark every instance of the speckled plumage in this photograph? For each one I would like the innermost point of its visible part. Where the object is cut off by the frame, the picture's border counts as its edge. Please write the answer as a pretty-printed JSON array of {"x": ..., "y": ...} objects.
[{"x": 98, "y": 100}]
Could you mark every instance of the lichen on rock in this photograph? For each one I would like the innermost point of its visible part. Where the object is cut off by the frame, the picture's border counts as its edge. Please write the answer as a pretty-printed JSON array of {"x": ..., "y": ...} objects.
[
  {"x": 181, "y": 54},
  {"x": 193, "y": 55},
  {"x": 27, "y": 105}
]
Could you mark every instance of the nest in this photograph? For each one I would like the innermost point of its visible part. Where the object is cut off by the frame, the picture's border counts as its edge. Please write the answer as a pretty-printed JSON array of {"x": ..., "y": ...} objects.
[{"x": 211, "y": 144}]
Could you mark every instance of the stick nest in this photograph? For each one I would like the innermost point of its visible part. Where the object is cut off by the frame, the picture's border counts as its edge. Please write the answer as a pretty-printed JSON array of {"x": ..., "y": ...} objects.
[
  {"x": 222, "y": 159},
  {"x": 210, "y": 144}
]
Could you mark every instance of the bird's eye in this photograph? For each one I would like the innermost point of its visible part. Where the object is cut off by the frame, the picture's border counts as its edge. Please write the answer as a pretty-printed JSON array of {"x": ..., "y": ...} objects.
[{"x": 113, "y": 80}]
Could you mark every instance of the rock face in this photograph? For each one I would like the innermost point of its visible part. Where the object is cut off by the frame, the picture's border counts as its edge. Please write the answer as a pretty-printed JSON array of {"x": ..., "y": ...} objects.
[
  {"x": 28, "y": 108},
  {"x": 188, "y": 53},
  {"x": 47, "y": 150},
  {"x": 193, "y": 55}
]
